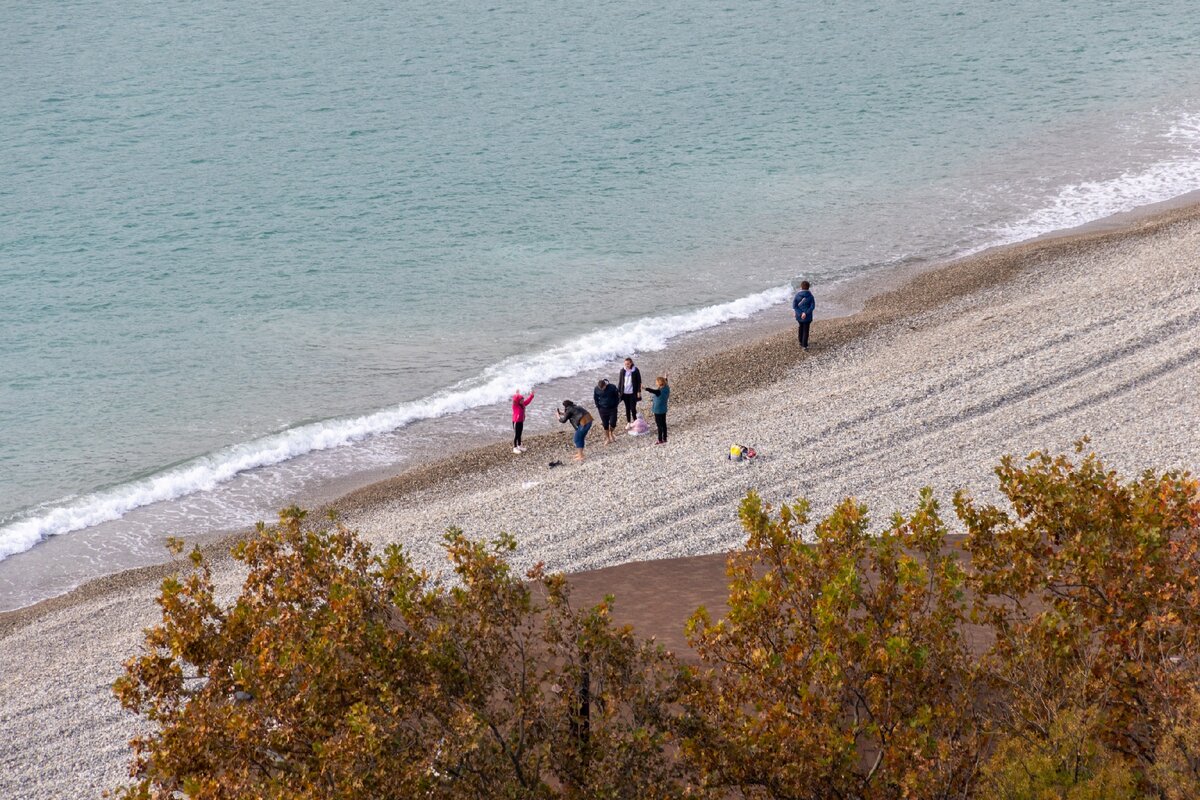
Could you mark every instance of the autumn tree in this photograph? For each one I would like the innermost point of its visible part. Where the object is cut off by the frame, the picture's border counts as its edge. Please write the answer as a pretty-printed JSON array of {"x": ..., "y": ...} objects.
[
  {"x": 1091, "y": 585},
  {"x": 1067, "y": 762},
  {"x": 341, "y": 673},
  {"x": 552, "y": 702},
  {"x": 1176, "y": 770},
  {"x": 840, "y": 670}
]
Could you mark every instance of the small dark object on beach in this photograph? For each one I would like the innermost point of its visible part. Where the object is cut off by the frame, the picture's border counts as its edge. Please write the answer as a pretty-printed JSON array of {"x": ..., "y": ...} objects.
[{"x": 554, "y": 464}]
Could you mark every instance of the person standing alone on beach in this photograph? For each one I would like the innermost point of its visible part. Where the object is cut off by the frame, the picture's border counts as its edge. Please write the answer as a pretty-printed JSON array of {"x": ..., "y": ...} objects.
[
  {"x": 629, "y": 386},
  {"x": 580, "y": 420},
  {"x": 518, "y": 407},
  {"x": 659, "y": 406},
  {"x": 607, "y": 402},
  {"x": 804, "y": 304}
]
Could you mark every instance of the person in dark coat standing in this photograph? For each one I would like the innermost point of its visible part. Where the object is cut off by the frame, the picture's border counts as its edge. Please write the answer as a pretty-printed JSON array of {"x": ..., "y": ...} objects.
[
  {"x": 804, "y": 304},
  {"x": 608, "y": 400},
  {"x": 629, "y": 386}
]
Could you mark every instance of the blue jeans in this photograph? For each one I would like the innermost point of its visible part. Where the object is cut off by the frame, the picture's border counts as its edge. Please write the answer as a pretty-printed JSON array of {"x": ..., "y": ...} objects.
[{"x": 581, "y": 434}]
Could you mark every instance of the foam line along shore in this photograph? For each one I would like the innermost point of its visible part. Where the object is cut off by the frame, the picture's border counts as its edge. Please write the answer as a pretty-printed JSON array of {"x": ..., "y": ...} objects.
[
  {"x": 1072, "y": 205},
  {"x": 759, "y": 356},
  {"x": 493, "y": 385},
  {"x": 1006, "y": 351}
]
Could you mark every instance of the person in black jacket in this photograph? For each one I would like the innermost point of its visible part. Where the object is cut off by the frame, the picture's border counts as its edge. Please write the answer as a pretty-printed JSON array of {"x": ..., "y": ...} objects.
[
  {"x": 629, "y": 386},
  {"x": 607, "y": 403}
]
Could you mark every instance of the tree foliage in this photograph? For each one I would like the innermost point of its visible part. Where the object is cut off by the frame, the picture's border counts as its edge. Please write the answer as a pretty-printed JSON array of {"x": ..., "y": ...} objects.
[
  {"x": 840, "y": 670},
  {"x": 1051, "y": 651},
  {"x": 337, "y": 673},
  {"x": 1091, "y": 586},
  {"x": 1068, "y": 763},
  {"x": 1176, "y": 770}
]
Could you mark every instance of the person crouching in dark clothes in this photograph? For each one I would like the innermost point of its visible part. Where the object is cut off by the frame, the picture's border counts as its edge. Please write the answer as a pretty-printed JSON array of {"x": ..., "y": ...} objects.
[{"x": 580, "y": 420}]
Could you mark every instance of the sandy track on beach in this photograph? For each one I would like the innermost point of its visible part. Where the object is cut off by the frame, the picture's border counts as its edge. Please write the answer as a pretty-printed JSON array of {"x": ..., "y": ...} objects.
[{"x": 1097, "y": 336}]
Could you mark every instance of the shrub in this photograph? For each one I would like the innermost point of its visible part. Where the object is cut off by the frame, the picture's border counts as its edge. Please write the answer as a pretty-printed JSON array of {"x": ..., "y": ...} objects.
[
  {"x": 1068, "y": 763},
  {"x": 840, "y": 670},
  {"x": 1091, "y": 586},
  {"x": 339, "y": 673}
]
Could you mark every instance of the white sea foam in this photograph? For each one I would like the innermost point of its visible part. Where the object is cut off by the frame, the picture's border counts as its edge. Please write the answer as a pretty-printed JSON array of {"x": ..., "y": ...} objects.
[
  {"x": 493, "y": 385},
  {"x": 1087, "y": 201},
  {"x": 1072, "y": 205}
]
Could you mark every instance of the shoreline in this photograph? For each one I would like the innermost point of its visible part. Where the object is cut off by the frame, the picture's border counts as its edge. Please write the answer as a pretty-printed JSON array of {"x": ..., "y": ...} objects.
[
  {"x": 937, "y": 284},
  {"x": 928, "y": 386},
  {"x": 460, "y": 442},
  {"x": 762, "y": 361}
]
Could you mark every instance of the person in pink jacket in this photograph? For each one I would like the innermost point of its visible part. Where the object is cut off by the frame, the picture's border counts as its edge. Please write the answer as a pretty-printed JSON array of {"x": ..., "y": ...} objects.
[{"x": 519, "y": 403}]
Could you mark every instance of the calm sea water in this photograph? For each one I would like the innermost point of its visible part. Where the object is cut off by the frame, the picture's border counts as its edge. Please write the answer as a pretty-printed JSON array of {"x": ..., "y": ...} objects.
[{"x": 241, "y": 235}]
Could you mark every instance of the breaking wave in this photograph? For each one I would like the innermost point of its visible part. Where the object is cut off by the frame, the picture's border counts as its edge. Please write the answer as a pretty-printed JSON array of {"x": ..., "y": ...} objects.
[{"x": 494, "y": 385}]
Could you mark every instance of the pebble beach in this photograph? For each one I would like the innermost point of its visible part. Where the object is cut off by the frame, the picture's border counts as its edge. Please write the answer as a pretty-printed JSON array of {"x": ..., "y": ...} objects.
[
  {"x": 1026, "y": 348},
  {"x": 1021, "y": 348}
]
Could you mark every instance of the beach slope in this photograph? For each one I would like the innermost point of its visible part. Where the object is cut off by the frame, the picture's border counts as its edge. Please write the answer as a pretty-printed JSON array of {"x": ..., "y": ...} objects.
[{"x": 1028, "y": 347}]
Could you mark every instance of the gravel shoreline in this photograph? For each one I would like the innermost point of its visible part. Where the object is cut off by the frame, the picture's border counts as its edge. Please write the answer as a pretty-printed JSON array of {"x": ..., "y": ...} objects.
[{"x": 1025, "y": 347}]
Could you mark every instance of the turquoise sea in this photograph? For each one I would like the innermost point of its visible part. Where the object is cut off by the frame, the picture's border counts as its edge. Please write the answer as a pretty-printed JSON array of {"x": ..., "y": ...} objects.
[{"x": 246, "y": 249}]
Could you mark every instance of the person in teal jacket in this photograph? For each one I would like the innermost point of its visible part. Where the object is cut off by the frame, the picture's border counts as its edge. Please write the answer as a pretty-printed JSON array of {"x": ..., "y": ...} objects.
[{"x": 659, "y": 406}]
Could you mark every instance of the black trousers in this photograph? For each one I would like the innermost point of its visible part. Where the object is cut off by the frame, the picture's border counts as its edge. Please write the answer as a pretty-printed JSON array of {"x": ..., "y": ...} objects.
[
  {"x": 608, "y": 418},
  {"x": 630, "y": 401},
  {"x": 517, "y": 428},
  {"x": 660, "y": 421},
  {"x": 804, "y": 332}
]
